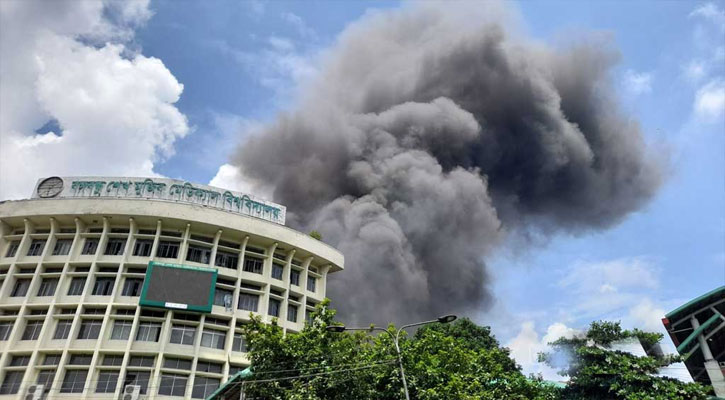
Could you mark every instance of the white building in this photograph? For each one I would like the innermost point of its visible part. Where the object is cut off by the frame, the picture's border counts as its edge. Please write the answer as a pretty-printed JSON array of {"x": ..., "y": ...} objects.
[{"x": 73, "y": 262}]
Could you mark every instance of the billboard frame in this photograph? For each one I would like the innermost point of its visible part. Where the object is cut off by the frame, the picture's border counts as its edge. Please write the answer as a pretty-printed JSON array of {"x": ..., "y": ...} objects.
[{"x": 144, "y": 302}]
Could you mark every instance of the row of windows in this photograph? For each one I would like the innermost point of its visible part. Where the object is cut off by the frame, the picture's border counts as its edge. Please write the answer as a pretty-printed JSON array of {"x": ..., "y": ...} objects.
[
  {"x": 171, "y": 384},
  {"x": 103, "y": 286},
  {"x": 148, "y": 331},
  {"x": 166, "y": 249}
]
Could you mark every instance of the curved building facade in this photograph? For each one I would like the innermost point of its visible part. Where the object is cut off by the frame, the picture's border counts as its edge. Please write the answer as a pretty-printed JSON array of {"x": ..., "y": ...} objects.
[{"x": 76, "y": 264}]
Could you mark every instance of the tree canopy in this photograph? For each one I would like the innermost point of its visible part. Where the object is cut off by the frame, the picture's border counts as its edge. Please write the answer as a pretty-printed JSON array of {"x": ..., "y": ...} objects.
[
  {"x": 599, "y": 372},
  {"x": 459, "y": 360}
]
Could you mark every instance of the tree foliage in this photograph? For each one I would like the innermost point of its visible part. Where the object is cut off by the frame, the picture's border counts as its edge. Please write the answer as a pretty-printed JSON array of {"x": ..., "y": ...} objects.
[
  {"x": 597, "y": 372},
  {"x": 454, "y": 361}
]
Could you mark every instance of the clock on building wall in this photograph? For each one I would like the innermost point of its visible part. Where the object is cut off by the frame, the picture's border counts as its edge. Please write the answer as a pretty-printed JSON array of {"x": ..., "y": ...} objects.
[{"x": 50, "y": 187}]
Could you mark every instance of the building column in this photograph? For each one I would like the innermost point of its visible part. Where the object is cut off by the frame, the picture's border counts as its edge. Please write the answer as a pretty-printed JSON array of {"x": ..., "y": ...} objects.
[{"x": 711, "y": 365}]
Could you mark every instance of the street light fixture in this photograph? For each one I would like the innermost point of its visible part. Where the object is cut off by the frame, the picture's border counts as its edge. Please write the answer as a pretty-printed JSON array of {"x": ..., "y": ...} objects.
[{"x": 441, "y": 320}]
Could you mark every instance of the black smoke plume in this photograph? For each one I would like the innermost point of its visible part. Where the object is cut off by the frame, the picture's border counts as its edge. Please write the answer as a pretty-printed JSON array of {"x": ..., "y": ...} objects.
[{"x": 430, "y": 137}]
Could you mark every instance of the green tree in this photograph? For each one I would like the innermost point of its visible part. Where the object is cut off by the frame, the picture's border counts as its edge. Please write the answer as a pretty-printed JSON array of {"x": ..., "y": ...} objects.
[
  {"x": 597, "y": 372},
  {"x": 454, "y": 361},
  {"x": 316, "y": 235}
]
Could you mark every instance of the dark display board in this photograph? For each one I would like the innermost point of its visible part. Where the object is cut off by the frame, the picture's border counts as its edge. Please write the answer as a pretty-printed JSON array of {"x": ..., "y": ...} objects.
[{"x": 179, "y": 287}]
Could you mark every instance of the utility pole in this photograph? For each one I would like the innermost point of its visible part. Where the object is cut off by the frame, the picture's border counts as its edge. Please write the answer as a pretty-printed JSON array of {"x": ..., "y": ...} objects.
[{"x": 396, "y": 340}]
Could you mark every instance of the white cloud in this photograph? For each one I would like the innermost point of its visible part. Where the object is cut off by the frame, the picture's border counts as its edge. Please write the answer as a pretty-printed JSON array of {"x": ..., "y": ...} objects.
[
  {"x": 526, "y": 346},
  {"x": 282, "y": 67},
  {"x": 638, "y": 82},
  {"x": 303, "y": 29},
  {"x": 633, "y": 272},
  {"x": 647, "y": 316},
  {"x": 230, "y": 177},
  {"x": 710, "y": 12},
  {"x": 695, "y": 70},
  {"x": 257, "y": 7},
  {"x": 115, "y": 109},
  {"x": 281, "y": 44},
  {"x": 710, "y": 100}
]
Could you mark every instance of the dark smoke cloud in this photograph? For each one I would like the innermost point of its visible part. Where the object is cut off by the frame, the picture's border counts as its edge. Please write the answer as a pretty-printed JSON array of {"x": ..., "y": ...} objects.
[{"x": 432, "y": 135}]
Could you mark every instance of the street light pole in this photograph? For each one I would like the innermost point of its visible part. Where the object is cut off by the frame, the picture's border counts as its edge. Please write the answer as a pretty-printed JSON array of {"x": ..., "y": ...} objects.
[{"x": 396, "y": 340}]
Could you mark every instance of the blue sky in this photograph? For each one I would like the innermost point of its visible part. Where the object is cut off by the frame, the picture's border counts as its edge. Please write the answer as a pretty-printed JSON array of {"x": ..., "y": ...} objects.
[{"x": 241, "y": 63}]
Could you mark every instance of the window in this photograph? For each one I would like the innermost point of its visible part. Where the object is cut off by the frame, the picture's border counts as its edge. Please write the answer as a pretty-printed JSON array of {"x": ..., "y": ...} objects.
[
  {"x": 226, "y": 260},
  {"x": 62, "y": 329},
  {"x": 220, "y": 297},
  {"x": 167, "y": 249},
  {"x": 121, "y": 330},
  {"x": 172, "y": 384},
  {"x": 113, "y": 360},
  {"x": 294, "y": 277},
  {"x": 248, "y": 302},
  {"x": 80, "y": 359},
  {"x": 274, "y": 306},
  {"x": 142, "y": 248},
  {"x": 198, "y": 254},
  {"x": 227, "y": 243},
  {"x": 311, "y": 283},
  {"x": 177, "y": 363},
  {"x": 140, "y": 378},
  {"x": 51, "y": 359},
  {"x": 45, "y": 378},
  {"x": 132, "y": 287},
  {"x": 209, "y": 366},
  {"x": 114, "y": 247},
  {"x": 142, "y": 361},
  {"x": 47, "y": 286},
  {"x": 90, "y": 329},
  {"x": 12, "y": 381},
  {"x": 148, "y": 332},
  {"x": 308, "y": 316},
  {"x": 234, "y": 369},
  {"x": 36, "y": 247},
  {"x": 277, "y": 271},
  {"x": 21, "y": 287},
  {"x": 239, "y": 344},
  {"x": 255, "y": 249},
  {"x": 103, "y": 286},
  {"x": 74, "y": 381},
  {"x": 291, "y": 313},
  {"x": 245, "y": 285},
  {"x": 213, "y": 339},
  {"x": 216, "y": 321},
  {"x": 62, "y": 247},
  {"x": 90, "y": 246},
  {"x": 182, "y": 334},
  {"x": 204, "y": 387},
  {"x": 19, "y": 361},
  {"x": 5, "y": 328},
  {"x": 32, "y": 330},
  {"x": 13, "y": 248},
  {"x": 253, "y": 264},
  {"x": 76, "y": 286},
  {"x": 107, "y": 381}
]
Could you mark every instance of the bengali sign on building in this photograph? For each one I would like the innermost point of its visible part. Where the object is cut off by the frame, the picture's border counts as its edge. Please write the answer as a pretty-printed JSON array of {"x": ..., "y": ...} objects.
[{"x": 159, "y": 189}]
